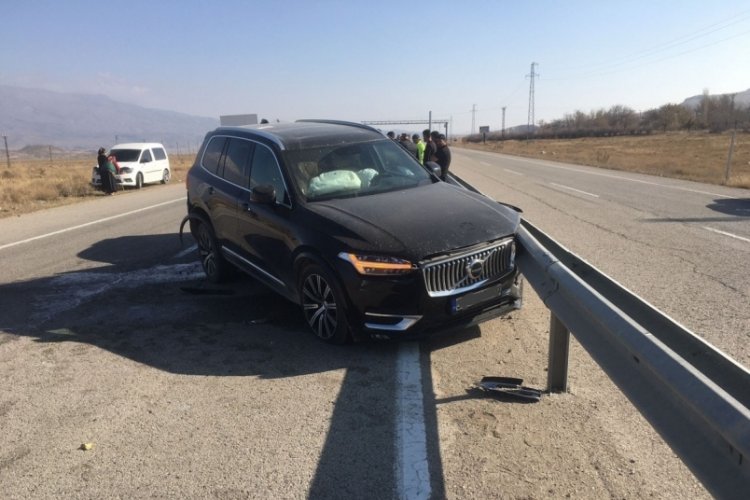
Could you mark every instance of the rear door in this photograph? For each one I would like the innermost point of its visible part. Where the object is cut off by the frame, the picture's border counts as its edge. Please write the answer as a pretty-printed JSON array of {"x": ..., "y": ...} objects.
[{"x": 219, "y": 194}]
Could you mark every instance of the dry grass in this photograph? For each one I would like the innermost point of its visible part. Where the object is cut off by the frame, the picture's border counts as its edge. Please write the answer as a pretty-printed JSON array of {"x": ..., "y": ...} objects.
[
  {"x": 697, "y": 156},
  {"x": 31, "y": 184}
]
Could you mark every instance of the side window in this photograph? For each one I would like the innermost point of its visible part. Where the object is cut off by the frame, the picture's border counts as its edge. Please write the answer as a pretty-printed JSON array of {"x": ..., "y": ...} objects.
[
  {"x": 265, "y": 170},
  {"x": 146, "y": 156},
  {"x": 237, "y": 162},
  {"x": 159, "y": 154},
  {"x": 212, "y": 154}
]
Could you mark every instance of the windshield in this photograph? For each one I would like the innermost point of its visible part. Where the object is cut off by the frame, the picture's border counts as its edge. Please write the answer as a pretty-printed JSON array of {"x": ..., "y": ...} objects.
[
  {"x": 126, "y": 154},
  {"x": 354, "y": 170}
]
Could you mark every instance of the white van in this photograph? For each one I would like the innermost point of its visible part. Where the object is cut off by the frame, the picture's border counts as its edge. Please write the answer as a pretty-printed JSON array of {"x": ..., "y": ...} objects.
[{"x": 140, "y": 163}]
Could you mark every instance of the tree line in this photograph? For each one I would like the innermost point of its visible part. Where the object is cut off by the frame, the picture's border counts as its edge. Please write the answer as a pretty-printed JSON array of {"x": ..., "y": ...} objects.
[{"x": 714, "y": 114}]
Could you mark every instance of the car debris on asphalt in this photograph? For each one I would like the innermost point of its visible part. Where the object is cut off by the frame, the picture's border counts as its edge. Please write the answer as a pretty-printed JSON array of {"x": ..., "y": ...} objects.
[{"x": 508, "y": 386}]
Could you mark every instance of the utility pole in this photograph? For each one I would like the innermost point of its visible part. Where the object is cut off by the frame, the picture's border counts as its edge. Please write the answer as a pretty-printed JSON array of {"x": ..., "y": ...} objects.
[
  {"x": 429, "y": 122},
  {"x": 7, "y": 154},
  {"x": 502, "y": 133},
  {"x": 706, "y": 103},
  {"x": 473, "y": 117},
  {"x": 531, "y": 98}
]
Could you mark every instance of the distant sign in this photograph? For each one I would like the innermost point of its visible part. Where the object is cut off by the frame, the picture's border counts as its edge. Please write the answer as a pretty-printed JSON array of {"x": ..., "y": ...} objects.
[
  {"x": 484, "y": 129},
  {"x": 238, "y": 120}
]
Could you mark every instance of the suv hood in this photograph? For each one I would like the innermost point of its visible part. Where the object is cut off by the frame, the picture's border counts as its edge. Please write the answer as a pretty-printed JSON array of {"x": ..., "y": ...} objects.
[{"x": 422, "y": 222}]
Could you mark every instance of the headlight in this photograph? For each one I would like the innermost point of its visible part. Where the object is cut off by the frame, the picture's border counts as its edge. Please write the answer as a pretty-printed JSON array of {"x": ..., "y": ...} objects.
[
  {"x": 374, "y": 265},
  {"x": 126, "y": 170}
]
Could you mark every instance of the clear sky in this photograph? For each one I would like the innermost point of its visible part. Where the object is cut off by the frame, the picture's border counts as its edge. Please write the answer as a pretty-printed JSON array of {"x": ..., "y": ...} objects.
[{"x": 379, "y": 60}]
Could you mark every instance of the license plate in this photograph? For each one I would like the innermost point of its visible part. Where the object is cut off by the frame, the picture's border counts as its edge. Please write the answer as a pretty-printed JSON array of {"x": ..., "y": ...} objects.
[{"x": 471, "y": 299}]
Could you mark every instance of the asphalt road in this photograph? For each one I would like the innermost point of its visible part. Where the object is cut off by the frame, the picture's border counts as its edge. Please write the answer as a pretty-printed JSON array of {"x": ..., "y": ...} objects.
[
  {"x": 683, "y": 246},
  {"x": 109, "y": 335}
]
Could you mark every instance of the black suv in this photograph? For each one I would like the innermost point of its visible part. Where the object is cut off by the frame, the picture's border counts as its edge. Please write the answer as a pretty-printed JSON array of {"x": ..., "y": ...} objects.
[{"x": 341, "y": 220}]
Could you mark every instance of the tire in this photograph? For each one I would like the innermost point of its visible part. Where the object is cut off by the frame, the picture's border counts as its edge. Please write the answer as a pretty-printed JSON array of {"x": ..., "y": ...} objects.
[
  {"x": 323, "y": 304},
  {"x": 139, "y": 181},
  {"x": 165, "y": 176},
  {"x": 214, "y": 265}
]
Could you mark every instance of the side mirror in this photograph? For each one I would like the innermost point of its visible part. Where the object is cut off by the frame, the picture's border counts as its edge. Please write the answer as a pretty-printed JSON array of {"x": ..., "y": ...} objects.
[
  {"x": 264, "y": 193},
  {"x": 145, "y": 160},
  {"x": 434, "y": 168}
]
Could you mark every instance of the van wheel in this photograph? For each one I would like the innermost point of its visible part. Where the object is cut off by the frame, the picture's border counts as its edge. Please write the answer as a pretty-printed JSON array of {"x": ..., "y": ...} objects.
[
  {"x": 214, "y": 265},
  {"x": 323, "y": 304},
  {"x": 139, "y": 181},
  {"x": 165, "y": 176}
]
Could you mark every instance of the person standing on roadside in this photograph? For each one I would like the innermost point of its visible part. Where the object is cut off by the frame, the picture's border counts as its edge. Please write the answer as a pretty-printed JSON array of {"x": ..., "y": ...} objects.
[
  {"x": 419, "y": 143},
  {"x": 443, "y": 156},
  {"x": 429, "y": 146},
  {"x": 107, "y": 176},
  {"x": 408, "y": 145}
]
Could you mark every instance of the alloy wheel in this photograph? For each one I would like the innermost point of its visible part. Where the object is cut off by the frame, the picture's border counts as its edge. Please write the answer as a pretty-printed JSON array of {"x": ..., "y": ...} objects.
[
  {"x": 319, "y": 305},
  {"x": 207, "y": 251}
]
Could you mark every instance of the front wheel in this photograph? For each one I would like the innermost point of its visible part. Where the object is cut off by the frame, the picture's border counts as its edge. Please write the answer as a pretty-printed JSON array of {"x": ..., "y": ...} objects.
[
  {"x": 139, "y": 181},
  {"x": 165, "y": 176},
  {"x": 323, "y": 304}
]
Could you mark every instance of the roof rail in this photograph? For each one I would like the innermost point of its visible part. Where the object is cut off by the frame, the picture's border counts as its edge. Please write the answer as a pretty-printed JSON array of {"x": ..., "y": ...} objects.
[{"x": 342, "y": 122}]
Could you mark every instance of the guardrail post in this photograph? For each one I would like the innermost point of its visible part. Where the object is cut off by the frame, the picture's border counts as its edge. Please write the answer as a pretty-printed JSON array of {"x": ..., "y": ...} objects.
[{"x": 559, "y": 346}]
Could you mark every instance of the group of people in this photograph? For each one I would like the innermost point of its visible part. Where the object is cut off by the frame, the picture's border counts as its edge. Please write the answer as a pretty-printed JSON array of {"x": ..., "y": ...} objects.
[
  {"x": 432, "y": 146},
  {"x": 108, "y": 168}
]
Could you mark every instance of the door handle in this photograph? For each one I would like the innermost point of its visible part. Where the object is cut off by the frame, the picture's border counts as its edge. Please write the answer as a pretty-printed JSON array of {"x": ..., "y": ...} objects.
[{"x": 247, "y": 207}]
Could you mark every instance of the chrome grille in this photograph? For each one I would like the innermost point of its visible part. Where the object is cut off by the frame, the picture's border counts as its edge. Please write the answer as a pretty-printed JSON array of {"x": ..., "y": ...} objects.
[{"x": 462, "y": 272}]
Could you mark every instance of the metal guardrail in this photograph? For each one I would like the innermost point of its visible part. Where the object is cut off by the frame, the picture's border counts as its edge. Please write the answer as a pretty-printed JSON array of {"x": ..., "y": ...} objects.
[{"x": 693, "y": 394}]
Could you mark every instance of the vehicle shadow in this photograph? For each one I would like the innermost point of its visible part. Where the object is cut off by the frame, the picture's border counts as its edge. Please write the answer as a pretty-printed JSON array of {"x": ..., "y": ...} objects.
[
  {"x": 734, "y": 210},
  {"x": 736, "y": 207},
  {"x": 161, "y": 313}
]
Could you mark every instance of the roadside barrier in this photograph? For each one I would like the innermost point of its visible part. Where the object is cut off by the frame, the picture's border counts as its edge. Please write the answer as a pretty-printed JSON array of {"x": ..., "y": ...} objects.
[{"x": 693, "y": 394}]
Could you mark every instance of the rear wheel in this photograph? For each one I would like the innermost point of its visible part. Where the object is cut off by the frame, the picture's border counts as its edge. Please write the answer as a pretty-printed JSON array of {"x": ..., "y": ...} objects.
[
  {"x": 323, "y": 304},
  {"x": 165, "y": 176},
  {"x": 139, "y": 181},
  {"x": 214, "y": 265}
]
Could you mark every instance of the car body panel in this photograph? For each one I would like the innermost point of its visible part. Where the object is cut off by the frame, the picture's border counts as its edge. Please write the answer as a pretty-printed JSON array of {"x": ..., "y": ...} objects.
[{"x": 430, "y": 221}]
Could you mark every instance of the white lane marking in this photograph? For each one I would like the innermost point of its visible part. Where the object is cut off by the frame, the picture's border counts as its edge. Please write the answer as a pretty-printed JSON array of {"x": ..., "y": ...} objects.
[
  {"x": 619, "y": 177},
  {"x": 574, "y": 189},
  {"x": 747, "y": 240},
  {"x": 185, "y": 252},
  {"x": 412, "y": 470},
  {"x": 513, "y": 172},
  {"x": 98, "y": 221}
]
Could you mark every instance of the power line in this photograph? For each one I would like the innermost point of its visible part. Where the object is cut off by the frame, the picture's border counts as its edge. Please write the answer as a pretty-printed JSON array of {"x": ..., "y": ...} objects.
[{"x": 629, "y": 61}]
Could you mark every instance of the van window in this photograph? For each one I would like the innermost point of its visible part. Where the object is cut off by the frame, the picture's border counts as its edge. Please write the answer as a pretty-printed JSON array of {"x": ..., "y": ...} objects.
[
  {"x": 126, "y": 155},
  {"x": 212, "y": 154},
  {"x": 159, "y": 154},
  {"x": 265, "y": 170},
  {"x": 146, "y": 156},
  {"x": 237, "y": 162}
]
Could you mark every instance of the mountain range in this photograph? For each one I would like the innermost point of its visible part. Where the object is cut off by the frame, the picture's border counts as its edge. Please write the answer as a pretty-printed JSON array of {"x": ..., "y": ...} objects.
[
  {"x": 86, "y": 121},
  {"x": 741, "y": 100}
]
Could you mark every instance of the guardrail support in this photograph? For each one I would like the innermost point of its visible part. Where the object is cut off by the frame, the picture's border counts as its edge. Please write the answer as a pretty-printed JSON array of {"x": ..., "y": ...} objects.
[{"x": 559, "y": 347}]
